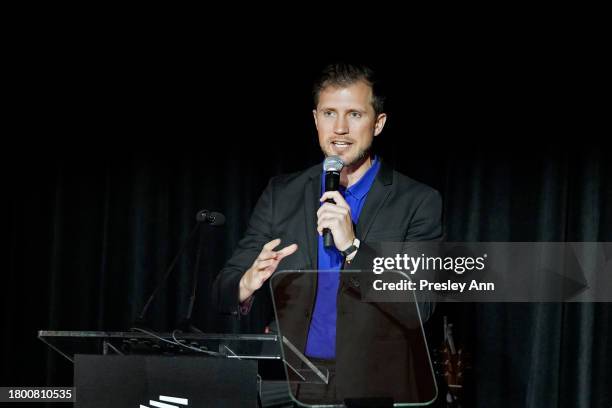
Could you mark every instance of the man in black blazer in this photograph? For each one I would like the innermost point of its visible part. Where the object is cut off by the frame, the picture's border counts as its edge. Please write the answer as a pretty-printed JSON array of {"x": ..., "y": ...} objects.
[{"x": 372, "y": 341}]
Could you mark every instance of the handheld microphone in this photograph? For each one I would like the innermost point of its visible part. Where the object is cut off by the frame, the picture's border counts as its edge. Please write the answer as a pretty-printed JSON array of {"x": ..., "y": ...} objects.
[{"x": 332, "y": 166}]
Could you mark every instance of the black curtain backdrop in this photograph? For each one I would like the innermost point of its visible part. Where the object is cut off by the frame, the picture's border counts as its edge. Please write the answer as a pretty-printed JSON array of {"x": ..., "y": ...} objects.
[{"x": 132, "y": 147}]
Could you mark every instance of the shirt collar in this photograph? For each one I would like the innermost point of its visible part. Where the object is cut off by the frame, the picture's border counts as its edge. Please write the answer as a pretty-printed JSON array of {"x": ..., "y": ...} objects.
[{"x": 362, "y": 186}]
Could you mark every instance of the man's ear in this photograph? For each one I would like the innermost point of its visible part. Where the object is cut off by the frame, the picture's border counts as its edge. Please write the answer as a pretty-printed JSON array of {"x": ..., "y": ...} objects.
[
  {"x": 314, "y": 114},
  {"x": 381, "y": 119}
]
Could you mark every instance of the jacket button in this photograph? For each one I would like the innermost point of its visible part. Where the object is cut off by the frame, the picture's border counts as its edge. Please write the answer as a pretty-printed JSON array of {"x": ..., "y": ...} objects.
[{"x": 355, "y": 282}]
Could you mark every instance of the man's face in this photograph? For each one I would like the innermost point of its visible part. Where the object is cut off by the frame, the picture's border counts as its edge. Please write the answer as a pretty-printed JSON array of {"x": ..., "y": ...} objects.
[{"x": 346, "y": 122}]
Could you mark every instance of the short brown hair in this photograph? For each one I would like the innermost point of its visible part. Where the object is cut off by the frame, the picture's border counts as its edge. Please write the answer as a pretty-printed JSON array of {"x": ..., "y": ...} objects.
[{"x": 345, "y": 74}]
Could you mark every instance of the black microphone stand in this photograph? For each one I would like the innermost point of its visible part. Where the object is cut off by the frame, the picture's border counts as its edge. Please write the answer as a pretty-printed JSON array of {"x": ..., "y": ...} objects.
[
  {"x": 186, "y": 325},
  {"x": 204, "y": 216}
]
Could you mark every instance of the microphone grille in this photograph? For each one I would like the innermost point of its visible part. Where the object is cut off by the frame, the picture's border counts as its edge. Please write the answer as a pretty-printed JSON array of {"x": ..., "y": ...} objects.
[
  {"x": 213, "y": 218},
  {"x": 333, "y": 163},
  {"x": 216, "y": 219}
]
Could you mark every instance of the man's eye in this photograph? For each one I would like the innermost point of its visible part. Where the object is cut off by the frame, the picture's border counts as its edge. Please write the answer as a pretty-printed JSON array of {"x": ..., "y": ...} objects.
[
  {"x": 328, "y": 113},
  {"x": 355, "y": 115}
]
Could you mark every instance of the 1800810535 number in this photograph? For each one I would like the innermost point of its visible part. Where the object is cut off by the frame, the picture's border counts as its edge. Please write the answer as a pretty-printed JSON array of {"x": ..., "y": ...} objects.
[{"x": 36, "y": 394}]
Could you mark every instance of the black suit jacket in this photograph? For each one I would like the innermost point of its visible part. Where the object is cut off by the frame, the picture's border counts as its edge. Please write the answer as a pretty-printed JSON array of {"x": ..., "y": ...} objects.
[{"x": 397, "y": 209}]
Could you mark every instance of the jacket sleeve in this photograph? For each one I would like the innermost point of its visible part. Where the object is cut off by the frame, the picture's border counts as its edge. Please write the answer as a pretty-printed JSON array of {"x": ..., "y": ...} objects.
[
  {"x": 259, "y": 232},
  {"x": 425, "y": 225}
]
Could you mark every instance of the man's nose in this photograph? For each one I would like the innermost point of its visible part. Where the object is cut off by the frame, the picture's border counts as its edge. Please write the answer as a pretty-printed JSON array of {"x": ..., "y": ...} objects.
[{"x": 341, "y": 126}]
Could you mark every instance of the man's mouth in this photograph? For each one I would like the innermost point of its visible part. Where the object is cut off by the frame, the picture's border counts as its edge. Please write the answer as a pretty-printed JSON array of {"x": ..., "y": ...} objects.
[{"x": 341, "y": 144}]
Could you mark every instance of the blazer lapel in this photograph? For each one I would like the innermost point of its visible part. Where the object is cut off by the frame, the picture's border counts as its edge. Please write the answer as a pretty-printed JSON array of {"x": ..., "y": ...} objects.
[
  {"x": 312, "y": 194},
  {"x": 375, "y": 200}
]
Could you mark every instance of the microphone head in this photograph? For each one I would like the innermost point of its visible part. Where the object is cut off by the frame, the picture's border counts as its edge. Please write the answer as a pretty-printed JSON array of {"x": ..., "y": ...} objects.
[
  {"x": 216, "y": 219},
  {"x": 210, "y": 217},
  {"x": 333, "y": 163}
]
